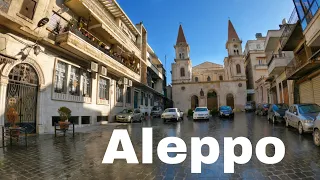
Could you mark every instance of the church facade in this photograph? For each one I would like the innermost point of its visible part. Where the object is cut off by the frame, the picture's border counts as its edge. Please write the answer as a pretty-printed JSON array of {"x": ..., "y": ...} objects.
[{"x": 209, "y": 84}]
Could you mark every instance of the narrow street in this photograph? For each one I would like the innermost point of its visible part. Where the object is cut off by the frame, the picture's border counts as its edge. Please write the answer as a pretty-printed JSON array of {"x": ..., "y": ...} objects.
[{"x": 80, "y": 158}]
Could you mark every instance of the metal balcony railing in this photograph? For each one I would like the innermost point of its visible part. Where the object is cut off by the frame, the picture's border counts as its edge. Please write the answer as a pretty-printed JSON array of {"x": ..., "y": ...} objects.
[
  {"x": 4, "y": 5},
  {"x": 94, "y": 41},
  {"x": 289, "y": 27},
  {"x": 294, "y": 65}
]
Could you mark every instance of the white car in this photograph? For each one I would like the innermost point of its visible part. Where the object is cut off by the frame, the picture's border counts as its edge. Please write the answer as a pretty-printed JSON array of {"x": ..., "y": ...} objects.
[
  {"x": 201, "y": 113},
  {"x": 172, "y": 114}
]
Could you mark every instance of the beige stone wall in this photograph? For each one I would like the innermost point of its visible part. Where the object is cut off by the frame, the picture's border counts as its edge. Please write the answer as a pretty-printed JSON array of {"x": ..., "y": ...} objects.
[{"x": 182, "y": 98}]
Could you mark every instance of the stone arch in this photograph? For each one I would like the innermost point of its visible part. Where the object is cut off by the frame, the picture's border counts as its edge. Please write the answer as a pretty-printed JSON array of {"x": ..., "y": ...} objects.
[
  {"x": 9, "y": 66},
  {"x": 230, "y": 100},
  {"x": 194, "y": 102},
  {"x": 212, "y": 100}
]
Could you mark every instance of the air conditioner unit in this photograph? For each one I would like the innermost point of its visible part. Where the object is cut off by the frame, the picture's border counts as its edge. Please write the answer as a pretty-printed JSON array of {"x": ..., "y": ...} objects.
[
  {"x": 94, "y": 67},
  {"x": 103, "y": 71},
  {"x": 130, "y": 83},
  {"x": 125, "y": 81}
]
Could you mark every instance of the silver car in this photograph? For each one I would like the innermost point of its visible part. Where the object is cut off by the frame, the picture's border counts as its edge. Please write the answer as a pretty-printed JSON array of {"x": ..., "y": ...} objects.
[
  {"x": 302, "y": 117},
  {"x": 128, "y": 115}
]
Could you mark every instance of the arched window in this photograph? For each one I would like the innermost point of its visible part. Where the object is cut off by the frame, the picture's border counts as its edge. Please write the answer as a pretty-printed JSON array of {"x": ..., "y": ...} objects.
[
  {"x": 196, "y": 79},
  {"x": 238, "y": 52},
  {"x": 182, "y": 72},
  {"x": 221, "y": 78},
  {"x": 238, "y": 69},
  {"x": 209, "y": 79},
  {"x": 180, "y": 55},
  {"x": 234, "y": 51}
]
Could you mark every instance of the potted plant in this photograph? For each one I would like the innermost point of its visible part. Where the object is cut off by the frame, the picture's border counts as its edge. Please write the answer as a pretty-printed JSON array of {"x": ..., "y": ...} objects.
[
  {"x": 65, "y": 114},
  {"x": 12, "y": 116}
]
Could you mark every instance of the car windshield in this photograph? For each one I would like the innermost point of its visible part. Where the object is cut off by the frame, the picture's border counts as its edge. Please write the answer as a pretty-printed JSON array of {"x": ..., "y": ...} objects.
[
  {"x": 266, "y": 105},
  {"x": 309, "y": 108},
  {"x": 125, "y": 111},
  {"x": 277, "y": 107},
  {"x": 224, "y": 108},
  {"x": 170, "y": 110},
  {"x": 248, "y": 104},
  {"x": 201, "y": 109}
]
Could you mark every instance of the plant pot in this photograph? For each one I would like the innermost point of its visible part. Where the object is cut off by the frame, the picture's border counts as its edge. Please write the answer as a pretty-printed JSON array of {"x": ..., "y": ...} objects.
[
  {"x": 64, "y": 125},
  {"x": 15, "y": 133}
]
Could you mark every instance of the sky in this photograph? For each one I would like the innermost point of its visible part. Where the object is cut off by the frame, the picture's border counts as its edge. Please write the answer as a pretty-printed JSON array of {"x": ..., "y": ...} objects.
[{"x": 205, "y": 24}]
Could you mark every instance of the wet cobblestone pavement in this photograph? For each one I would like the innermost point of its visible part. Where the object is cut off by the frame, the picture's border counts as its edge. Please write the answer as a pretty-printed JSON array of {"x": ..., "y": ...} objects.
[{"x": 80, "y": 157}]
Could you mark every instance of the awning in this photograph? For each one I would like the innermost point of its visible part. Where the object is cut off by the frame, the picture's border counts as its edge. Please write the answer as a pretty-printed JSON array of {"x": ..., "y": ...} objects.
[{"x": 6, "y": 59}]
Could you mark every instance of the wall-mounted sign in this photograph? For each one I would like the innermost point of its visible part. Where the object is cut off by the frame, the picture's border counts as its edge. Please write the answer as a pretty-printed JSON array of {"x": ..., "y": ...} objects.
[{"x": 250, "y": 91}]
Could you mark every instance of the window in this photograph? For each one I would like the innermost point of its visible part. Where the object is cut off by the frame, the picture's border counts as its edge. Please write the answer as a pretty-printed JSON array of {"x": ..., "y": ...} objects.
[
  {"x": 182, "y": 72},
  {"x": 60, "y": 77},
  {"x": 74, "y": 81},
  {"x": 102, "y": 118},
  {"x": 86, "y": 84},
  {"x": 238, "y": 67},
  {"x": 104, "y": 88},
  {"x": 182, "y": 55},
  {"x": 28, "y": 8},
  {"x": 306, "y": 9},
  {"x": 258, "y": 46},
  {"x": 119, "y": 91},
  {"x": 147, "y": 101},
  {"x": 85, "y": 120},
  {"x": 128, "y": 97},
  {"x": 142, "y": 96},
  {"x": 208, "y": 78},
  {"x": 221, "y": 78},
  {"x": 196, "y": 79}
]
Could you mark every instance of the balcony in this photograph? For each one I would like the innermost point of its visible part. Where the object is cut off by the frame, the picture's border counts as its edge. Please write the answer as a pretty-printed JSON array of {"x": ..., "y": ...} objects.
[
  {"x": 311, "y": 32},
  {"x": 261, "y": 66},
  {"x": 277, "y": 64},
  {"x": 84, "y": 44},
  {"x": 300, "y": 67},
  {"x": 155, "y": 70},
  {"x": 4, "y": 5},
  {"x": 272, "y": 39},
  {"x": 292, "y": 33},
  {"x": 106, "y": 22}
]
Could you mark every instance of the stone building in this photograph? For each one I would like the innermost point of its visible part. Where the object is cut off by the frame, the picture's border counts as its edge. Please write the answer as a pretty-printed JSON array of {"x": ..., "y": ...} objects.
[
  {"x": 256, "y": 69},
  {"x": 89, "y": 57},
  {"x": 301, "y": 35},
  {"x": 208, "y": 84}
]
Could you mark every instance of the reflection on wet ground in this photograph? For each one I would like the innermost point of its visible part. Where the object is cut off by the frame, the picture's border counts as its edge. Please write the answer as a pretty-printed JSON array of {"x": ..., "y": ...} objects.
[{"x": 80, "y": 157}]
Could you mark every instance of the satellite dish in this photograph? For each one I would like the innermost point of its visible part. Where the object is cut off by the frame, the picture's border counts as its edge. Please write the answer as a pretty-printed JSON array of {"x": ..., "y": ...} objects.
[{"x": 43, "y": 22}]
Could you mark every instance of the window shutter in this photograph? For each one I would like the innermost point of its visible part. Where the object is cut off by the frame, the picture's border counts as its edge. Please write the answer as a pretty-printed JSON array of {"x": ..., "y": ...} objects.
[{"x": 28, "y": 8}]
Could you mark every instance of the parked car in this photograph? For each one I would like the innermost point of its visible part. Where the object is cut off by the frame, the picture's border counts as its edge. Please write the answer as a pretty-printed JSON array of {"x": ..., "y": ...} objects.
[
  {"x": 201, "y": 113},
  {"x": 156, "y": 111},
  {"x": 302, "y": 116},
  {"x": 172, "y": 114},
  {"x": 128, "y": 115},
  {"x": 262, "y": 109},
  {"x": 250, "y": 106},
  {"x": 316, "y": 131},
  {"x": 226, "y": 111},
  {"x": 277, "y": 112}
]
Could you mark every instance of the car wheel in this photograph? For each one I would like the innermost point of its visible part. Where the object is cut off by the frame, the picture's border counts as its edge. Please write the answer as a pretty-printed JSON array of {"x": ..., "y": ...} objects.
[
  {"x": 300, "y": 128},
  {"x": 316, "y": 137},
  {"x": 274, "y": 120}
]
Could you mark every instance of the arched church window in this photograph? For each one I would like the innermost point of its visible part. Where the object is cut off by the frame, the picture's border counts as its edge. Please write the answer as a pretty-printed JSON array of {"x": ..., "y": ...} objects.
[
  {"x": 196, "y": 79},
  {"x": 180, "y": 55},
  {"x": 237, "y": 51},
  {"x": 182, "y": 72},
  {"x": 234, "y": 51},
  {"x": 238, "y": 67},
  {"x": 209, "y": 79},
  {"x": 221, "y": 78}
]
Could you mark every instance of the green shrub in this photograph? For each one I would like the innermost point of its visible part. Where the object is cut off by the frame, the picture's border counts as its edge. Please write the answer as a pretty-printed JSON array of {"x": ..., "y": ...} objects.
[
  {"x": 65, "y": 113},
  {"x": 190, "y": 112},
  {"x": 214, "y": 111}
]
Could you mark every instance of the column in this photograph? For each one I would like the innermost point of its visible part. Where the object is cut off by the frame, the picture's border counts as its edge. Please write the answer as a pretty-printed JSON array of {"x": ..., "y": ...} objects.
[{"x": 282, "y": 100}]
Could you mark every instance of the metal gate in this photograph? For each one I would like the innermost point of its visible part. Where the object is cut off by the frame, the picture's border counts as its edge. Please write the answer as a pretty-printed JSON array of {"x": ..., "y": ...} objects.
[{"x": 22, "y": 93}]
